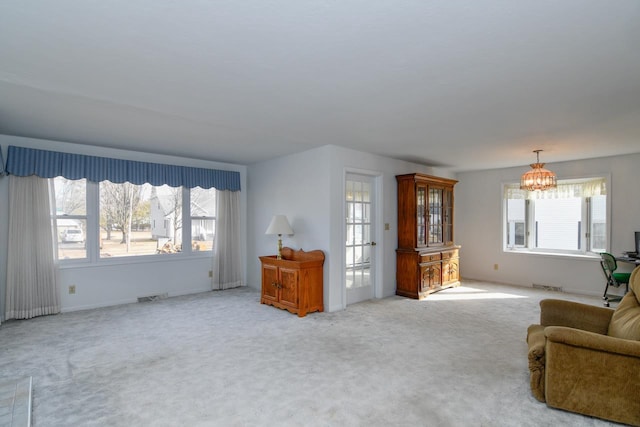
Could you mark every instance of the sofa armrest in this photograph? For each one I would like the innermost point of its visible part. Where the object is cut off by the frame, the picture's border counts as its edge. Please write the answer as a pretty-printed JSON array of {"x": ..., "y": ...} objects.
[
  {"x": 593, "y": 341},
  {"x": 554, "y": 312}
]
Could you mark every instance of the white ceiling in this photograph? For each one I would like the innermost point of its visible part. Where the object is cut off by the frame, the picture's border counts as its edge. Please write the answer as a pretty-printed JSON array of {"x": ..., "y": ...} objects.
[{"x": 465, "y": 85}]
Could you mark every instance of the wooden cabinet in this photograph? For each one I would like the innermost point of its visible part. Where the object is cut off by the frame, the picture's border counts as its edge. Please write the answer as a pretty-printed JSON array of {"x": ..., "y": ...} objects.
[
  {"x": 426, "y": 258},
  {"x": 293, "y": 283}
]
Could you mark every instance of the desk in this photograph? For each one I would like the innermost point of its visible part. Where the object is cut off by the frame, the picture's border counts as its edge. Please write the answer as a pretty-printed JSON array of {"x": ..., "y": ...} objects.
[{"x": 630, "y": 260}]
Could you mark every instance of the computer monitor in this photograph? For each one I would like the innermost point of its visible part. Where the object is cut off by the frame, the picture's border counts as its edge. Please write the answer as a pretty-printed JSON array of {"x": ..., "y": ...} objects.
[{"x": 638, "y": 243}]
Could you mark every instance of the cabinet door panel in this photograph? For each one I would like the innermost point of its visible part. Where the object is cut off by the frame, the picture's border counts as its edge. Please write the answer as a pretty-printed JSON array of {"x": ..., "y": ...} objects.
[
  {"x": 430, "y": 276},
  {"x": 426, "y": 273},
  {"x": 289, "y": 279},
  {"x": 270, "y": 282},
  {"x": 450, "y": 271},
  {"x": 436, "y": 276}
]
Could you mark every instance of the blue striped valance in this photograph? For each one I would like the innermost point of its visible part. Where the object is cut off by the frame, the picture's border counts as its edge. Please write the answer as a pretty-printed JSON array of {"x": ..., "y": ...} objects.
[{"x": 49, "y": 164}]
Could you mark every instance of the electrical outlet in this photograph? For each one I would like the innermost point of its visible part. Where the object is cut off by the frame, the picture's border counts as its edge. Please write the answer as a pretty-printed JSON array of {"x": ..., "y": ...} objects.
[
  {"x": 72, "y": 289},
  {"x": 495, "y": 266},
  {"x": 386, "y": 226},
  {"x": 210, "y": 273}
]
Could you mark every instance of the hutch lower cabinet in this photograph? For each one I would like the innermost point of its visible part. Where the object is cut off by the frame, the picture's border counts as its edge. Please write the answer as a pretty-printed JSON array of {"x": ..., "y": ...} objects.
[
  {"x": 420, "y": 273},
  {"x": 426, "y": 258},
  {"x": 293, "y": 283}
]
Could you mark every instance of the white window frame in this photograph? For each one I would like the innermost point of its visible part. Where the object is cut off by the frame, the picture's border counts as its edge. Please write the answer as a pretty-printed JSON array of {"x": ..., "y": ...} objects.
[
  {"x": 93, "y": 232},
  {"x": 585, "y": 240}
]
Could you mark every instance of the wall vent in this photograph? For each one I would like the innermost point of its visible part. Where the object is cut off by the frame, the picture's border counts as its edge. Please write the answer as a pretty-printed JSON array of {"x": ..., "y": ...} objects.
[
  {"x": 548, "y": 287},
  {"x": 151, "y": 298}
]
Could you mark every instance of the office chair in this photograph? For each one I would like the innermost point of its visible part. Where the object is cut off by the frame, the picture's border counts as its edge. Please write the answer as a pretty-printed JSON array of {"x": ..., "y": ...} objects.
[{"x": 609, "y": 267}]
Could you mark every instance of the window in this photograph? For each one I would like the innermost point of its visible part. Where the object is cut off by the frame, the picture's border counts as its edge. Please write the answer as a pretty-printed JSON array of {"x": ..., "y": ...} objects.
[
  {"x": 571, "y": 219},
  {"x": 129, "y": 215},
  {"x": 70, "y": 217},
  {"x": 203, "y": 219},
  {"x": 109, "y": 220}
]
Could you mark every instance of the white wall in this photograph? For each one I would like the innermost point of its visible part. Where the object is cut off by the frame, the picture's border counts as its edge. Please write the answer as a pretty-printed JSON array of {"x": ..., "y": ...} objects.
[
  {"x": 478, "y": 220},
  {"x": 308, "y": 187},
  {"x": 119, "y": 281}
]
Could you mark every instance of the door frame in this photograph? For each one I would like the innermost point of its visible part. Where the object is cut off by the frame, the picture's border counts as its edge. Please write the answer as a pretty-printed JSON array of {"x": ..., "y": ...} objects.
[{"x": 377, "y": 227}]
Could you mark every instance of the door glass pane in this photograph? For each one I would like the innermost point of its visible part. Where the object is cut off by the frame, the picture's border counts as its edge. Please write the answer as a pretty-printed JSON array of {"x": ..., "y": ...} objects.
[
  {"x": 358, "y": 233},
  {"x": 421, "y": 203},
  {"x": 435, "y": 215}
]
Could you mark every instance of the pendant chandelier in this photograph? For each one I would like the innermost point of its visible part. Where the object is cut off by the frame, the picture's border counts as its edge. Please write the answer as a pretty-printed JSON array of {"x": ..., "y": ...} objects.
[{"x": 538, "y": 178}]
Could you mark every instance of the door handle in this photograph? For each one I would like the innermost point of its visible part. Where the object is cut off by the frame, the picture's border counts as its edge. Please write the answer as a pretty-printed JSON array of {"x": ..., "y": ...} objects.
[{"x": 373, "y": 243}]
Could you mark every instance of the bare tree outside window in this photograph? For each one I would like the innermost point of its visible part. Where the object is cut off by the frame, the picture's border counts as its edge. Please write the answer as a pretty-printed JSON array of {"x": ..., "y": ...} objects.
[
  {"x": 130, "y": 220},
  {"x": 118, "y": 204}
]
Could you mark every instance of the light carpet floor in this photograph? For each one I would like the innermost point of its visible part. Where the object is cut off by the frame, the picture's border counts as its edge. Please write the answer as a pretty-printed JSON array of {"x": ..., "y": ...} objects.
[{"x": 458, "y": 358}]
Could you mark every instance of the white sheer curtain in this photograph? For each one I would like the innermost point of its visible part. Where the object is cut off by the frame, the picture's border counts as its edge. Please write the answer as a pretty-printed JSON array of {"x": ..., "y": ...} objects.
[
  {"x": 32, "y": 287},
  {"x": 227, "y": 254},
  {"x": 567, "y": 188}
]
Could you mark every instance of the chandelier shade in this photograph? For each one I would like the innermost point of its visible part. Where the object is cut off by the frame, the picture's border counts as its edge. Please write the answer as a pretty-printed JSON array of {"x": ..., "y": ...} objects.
[{"x": 538, "y": 178}]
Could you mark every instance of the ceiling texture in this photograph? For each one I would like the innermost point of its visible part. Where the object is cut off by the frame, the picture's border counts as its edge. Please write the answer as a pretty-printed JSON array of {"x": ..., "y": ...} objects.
[{"x": 462, "y": 85}]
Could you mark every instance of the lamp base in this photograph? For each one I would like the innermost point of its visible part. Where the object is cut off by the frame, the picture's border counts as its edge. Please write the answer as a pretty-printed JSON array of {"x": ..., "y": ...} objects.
[{"x": 279, "y": 256}]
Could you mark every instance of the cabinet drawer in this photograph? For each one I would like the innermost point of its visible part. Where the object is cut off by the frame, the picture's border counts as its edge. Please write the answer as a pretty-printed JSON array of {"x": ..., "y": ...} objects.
[
  {"x": 430, "y": 257},
  {"x": 450, "y": 254}
]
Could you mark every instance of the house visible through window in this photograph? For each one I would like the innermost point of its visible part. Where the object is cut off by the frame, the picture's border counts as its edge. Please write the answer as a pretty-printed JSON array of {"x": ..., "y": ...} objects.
[
  {"x": 124, "y": 219},
  {"x": 203, "y": 218},
  {"x": 571, "y": 219}
]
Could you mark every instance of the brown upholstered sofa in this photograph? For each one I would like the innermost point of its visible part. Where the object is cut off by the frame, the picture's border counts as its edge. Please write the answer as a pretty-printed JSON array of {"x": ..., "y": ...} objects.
[{"x": 586, "y": 359}]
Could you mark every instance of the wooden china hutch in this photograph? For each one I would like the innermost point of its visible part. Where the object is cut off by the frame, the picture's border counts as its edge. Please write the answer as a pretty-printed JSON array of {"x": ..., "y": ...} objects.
[{"x": 427, "y": 260}]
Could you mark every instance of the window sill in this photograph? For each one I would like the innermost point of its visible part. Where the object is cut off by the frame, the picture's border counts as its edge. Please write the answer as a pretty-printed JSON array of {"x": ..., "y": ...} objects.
[
  {"x": 580, "y": 257},
  {"x": 142, "y": 259}
]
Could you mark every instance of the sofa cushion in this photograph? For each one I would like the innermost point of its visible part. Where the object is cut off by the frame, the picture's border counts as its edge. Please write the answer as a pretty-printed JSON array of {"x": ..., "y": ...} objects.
[{"x": 625, "y": 322}]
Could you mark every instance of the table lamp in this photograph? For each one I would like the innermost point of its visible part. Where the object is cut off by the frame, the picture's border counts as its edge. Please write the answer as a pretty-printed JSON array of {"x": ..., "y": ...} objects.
[{"x": 279, "y": 225}]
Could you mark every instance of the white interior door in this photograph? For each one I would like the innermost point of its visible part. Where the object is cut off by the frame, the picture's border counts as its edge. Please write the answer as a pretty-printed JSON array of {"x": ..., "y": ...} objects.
[{"x": 360, "y": 239}]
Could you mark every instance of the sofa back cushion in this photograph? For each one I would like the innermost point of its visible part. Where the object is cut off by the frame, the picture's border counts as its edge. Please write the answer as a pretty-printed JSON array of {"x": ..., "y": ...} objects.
[{"x": 625, "y": 322}]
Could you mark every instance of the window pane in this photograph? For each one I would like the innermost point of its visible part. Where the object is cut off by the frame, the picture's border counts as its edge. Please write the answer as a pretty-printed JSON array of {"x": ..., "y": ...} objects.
[
  {"x": 519, "y": 234},
  {"x": 516, "y": 229},
  {"x": 70, "y": 217},
  {"x": 203, "y": 221},
  {"x": 202, "y": 232},
  {"x": 139, "y": 219},
  {"x": 598, "y": 217},
  {"x": 71, "y": 238},
  {"x": 570, "y": 219},
  {"x": 558, "y": 223},
  {"x": 203, "y": 202},
  {"x": 71, "y": 196}
]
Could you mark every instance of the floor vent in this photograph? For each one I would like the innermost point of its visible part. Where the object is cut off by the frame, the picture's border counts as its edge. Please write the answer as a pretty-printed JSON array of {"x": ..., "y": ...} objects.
[
  {"x": 151, "y": 298},
  {"x": 548, "y": 287}
]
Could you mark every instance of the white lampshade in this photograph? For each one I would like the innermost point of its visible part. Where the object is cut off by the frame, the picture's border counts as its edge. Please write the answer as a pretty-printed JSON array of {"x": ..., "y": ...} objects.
[{"x": 279, "y": 225}]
